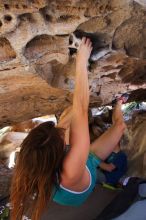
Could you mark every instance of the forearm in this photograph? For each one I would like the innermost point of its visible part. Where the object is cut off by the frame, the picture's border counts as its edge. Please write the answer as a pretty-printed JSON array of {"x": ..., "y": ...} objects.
[
  {"x": 65, "y": 123},
  {"x": 79, "y": 127},
  {"x": 80, "y": 112},
  {"x": 65, "y": 118},
  {"x": 81, "y": 93}
]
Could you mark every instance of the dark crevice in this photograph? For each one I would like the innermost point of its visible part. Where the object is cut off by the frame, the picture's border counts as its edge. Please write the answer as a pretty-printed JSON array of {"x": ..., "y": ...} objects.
[
  {"x": 17, "y": 6},
  {"x": 8, "y": 69},
  {"x": 24, "y": 6},
  {"x": 9, "y": 51},
  {"x": 48, "y": 17},
  {"x": 7, "y": 18},
  {"x": 62, "y": 35},
  {"x": 27, "y": 16},
  {"x": 65, "y": 17},
  {"x": 6, "y": 6}
]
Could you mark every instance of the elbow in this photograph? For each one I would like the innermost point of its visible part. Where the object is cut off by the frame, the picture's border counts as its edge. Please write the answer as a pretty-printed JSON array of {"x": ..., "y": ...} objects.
[{"x": 69, "y": 179}]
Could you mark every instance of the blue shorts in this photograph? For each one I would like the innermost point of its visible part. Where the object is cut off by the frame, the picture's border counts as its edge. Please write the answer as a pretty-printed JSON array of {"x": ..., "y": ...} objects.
[{"x": 65, "y": 196}]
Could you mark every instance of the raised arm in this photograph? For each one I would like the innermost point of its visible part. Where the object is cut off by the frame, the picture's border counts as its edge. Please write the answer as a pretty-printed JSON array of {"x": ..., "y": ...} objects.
[{"x": 74, "y": 168}]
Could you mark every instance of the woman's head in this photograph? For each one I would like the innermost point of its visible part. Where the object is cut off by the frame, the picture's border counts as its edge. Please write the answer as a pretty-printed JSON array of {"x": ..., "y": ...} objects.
[{"x": 39, "y": 160}]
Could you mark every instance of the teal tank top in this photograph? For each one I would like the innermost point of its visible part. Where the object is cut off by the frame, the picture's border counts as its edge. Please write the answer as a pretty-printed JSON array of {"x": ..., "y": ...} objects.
[{"x": 65, "y": 196}]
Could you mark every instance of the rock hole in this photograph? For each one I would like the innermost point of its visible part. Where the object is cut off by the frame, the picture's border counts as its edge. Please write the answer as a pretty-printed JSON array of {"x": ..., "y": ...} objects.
[
  {"x": 108, "y": 21},
  {"x": 4, "y": 116},
  {"x": 98, "y": 93},
  {"x": 108, "y": 7},
  {"x": 17, "y": 6},
  {"x": 6, "y": 6},
  {"x": 87, "y": 16},
  {"x": 76, "y": 45},
  {"x": 48, "y": 17},
  {"x": 7, "y": 53},
  {"x": 24, "y": 6},
  {"x": 66, "y": 80},
  {"x": 38, "y": 46},
  {"x": 64, "y": 17},
  {"x": 72, "y": 51},
  {"x": 7, "y": 18},
  {"x": 27, "y": 17},
  {"x": 101, "y": 8},
  {"x": 1, "y": 24},
  {"x": 71, "y": 40}
]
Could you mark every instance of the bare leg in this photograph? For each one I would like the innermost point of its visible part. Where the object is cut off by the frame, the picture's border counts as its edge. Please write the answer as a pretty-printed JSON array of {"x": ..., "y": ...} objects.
[{"x": 105, "y": 144}]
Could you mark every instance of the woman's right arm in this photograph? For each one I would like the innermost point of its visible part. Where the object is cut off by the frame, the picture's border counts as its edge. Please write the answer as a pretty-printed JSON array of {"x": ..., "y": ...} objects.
[{"x": 75, "y": 161}]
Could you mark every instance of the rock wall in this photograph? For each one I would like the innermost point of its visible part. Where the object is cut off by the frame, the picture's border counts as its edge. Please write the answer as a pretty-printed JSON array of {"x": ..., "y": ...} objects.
[
  {"x": 37, "y": 69},
  {"x": 136, "y": 145}
]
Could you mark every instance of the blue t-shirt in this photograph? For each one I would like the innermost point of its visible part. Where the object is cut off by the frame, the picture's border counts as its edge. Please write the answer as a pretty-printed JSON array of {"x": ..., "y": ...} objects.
[
  {"x": 120, "y": 161},
  {"x": 65, "y": 196}
]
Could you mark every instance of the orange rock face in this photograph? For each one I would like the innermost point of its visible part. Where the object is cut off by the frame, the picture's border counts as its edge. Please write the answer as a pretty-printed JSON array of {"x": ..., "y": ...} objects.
[{"x": 37, "y": 68}]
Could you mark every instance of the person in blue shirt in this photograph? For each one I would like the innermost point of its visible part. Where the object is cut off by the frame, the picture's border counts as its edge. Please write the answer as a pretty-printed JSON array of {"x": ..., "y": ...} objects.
[{"x": 114, "y": 167}]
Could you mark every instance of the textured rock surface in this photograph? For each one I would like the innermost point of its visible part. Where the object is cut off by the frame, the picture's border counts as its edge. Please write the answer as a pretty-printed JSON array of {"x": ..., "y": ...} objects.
[
  {"x": 136, "y": 146},
  {"x": 26, "y": 95},
  {"x": 34, "y": 46}
]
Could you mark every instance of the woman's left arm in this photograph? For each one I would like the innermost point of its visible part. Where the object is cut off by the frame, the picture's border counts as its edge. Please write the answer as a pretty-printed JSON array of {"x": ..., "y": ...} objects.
[
  {"x": 65, "y": 122},
  {"x": 65, "y": 118}
]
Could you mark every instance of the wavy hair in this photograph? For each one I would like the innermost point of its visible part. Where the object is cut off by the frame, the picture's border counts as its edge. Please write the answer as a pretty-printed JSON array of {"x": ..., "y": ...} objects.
[{"x": 39, "y": 160}]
